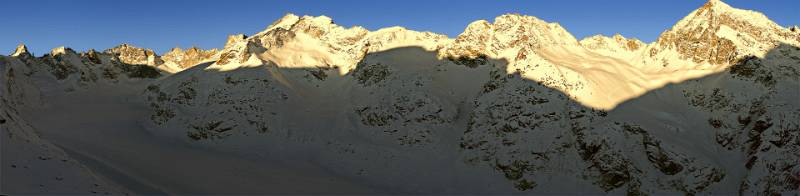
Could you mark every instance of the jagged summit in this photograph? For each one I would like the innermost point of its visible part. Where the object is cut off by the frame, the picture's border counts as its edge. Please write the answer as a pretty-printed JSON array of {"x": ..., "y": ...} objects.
[
  {"x": 509, "y": 31},
  {"x": 309, "y": 24},
  {"x": 62, "y": 50},
  {"x": 616, "y": 37},
  {"x": 731, "y": 32},
  {"x": 175, "y": 49},
  {"x": 322, "y": 43},
  {"x": 613, "y": 45},
  {"x": 134, "y": 55},
  {"x": 716, "y": 5},
  {"x": 716, "y": 12},
  {"x": 284, "y": 22},
  {"x": 125, "y": 48},
  {"x": 542, "y": 32},
  {"x": 21, "y": 50},
  {"x": 193, "y": 49},
  {"x": 233, "y": 39},
  {"x": 718, "y": 34},
  {"x": 189, "y": 57}
]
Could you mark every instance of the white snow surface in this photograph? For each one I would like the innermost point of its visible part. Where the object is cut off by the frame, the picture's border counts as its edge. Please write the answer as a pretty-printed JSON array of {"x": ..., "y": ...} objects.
[{"x": 517, "y": 105}]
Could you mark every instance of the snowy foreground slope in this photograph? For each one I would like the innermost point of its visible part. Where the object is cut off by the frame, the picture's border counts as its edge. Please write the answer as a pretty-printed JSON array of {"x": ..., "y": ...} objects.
[
  {"x": 30, "y": 164},
  {"x": 517, "y": 105}
]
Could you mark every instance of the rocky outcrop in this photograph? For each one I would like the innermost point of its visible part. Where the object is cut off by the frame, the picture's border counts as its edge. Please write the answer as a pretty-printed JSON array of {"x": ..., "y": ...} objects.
[
  {"x": 509, "y": 31},
  {"x": 238, "y": 50},
  {"x": 173, "y": 61},
  {"x": 616, "y": 46},
  {"x": 719, "y": 35},
  {"x": 188, "y": 58},
  {"x": 21, "y": 51},
  {"x": 73, "y": 71},
  {"x": 133, "y": 55}
]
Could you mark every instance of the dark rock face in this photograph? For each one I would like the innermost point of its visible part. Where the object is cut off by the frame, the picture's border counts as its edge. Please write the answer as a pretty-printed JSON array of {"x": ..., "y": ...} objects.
[
  {"x": 742, "y": 119},
  {"x": 371, "y": 74},
  {"x": 470, "y": 62},
  {"x": 523, "y": 129}
]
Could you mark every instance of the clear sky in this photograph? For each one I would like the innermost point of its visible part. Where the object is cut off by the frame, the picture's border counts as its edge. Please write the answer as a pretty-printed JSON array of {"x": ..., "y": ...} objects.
[{"x": 161, "y": 25}]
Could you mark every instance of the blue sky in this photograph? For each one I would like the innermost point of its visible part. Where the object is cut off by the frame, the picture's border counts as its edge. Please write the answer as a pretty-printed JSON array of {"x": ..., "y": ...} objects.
[{"x": 161, "y": 25}]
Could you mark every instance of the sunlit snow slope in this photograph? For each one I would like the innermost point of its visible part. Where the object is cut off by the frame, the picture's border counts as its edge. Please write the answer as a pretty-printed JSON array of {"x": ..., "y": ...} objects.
[{"x": 515, "y": 105}]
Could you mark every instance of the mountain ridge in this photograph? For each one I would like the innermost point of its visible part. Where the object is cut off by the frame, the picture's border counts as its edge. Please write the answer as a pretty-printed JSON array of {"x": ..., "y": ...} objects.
[
  {"x": 517, "y": 105},
  {"x": 709, "y": 10},
  {"x": 701, "y": 43}
]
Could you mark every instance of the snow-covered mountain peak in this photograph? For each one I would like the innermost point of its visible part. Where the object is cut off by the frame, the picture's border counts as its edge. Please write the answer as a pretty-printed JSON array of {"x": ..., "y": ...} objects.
[
  {"x": 21, "y": 50},
  {"x": 234, "y": 38},
  {"x": 714, "y": 13},
  {"x": 718, "y": 34},
  {"x": 543, "y": 33},
  {"x": 617, "y": 41},
  {"x": 323, "y": 29},
  {"x": 716, "y": 5},
  {"x": 238, "y": 50},
  {"x": 195, "y": 49},
  {"x": 524, "y": 20},
  {"x": 509, "y": 31},
  {"x": 619, "y": 37},
  {"x": 321, "y": 42},
  {"x": 130, "y": 50},
  {"x": 616, "y": 45},
  {"x": 513, "y": 105},
  {"x": 62, "y": 50},
  {"x": 124, "y": 46},
  {"x": 284, "y": 22},
  {"x": 175, "y": 49},
  {"x": 314, "y": 25},
  {"x": 321, "y": 20},
  {"x": 320, "y": 28},
  {"x": 189, "y": 57}
]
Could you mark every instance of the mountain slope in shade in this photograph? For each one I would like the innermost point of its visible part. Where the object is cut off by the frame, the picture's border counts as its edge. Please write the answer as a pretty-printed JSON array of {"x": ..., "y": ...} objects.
[
  {"x": 516, "y": 105},
  {"x": 30, "y": 164}
]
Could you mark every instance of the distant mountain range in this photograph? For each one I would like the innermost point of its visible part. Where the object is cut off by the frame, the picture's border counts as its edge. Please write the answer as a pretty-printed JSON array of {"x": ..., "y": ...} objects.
[{"x": 517, "y": 105}]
